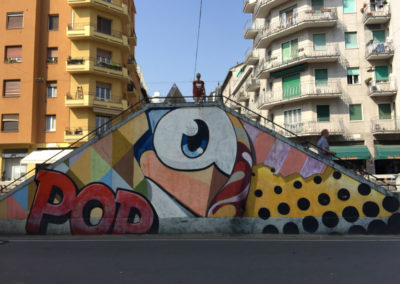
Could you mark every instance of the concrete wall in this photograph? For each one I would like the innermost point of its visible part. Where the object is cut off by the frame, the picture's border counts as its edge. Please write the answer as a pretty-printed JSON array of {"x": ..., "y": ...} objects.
[{"x": 196, "y": 169}]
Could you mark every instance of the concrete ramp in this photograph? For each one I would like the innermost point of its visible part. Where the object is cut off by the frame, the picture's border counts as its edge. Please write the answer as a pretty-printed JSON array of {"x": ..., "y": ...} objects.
[{"x": 189, "y": 168}]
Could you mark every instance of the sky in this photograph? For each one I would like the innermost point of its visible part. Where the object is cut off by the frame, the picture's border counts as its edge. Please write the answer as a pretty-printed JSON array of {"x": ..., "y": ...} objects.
[{"x": 167, "y": 36}]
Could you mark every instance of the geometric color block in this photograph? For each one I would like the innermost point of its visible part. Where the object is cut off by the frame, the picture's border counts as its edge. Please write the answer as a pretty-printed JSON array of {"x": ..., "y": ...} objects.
[
  {"x": 21, "y": 196},
  {"x": 14, "y": 210}
]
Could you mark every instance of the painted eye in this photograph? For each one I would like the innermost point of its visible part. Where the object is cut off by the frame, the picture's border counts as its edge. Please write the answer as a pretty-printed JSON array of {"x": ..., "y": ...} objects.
[
  {"x": 194, "y": 146},
  {"x": 195, "y": 138}
]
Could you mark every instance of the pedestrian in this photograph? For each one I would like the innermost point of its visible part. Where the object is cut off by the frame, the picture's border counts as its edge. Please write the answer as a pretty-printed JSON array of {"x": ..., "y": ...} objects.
[
  {"x": 323, "y": 146},
  {"x": 199, "y": 90},
  {"x": 3, "y": 176}
]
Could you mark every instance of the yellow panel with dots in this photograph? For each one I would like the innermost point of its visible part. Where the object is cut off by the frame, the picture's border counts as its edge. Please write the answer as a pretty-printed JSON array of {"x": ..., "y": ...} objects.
[{"x": 295, "y": 197}]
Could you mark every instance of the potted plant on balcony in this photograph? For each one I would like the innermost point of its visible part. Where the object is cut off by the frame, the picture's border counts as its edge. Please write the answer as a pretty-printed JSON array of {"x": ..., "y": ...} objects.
[
  {"x": 78, "y": 131},
  {"x": 368, "y": 81}
]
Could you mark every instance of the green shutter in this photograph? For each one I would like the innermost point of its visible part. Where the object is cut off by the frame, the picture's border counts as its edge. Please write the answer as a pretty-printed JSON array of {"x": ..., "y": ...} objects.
[
  {"x": 379, "y": 36},
  {"x": 323, "y": 113},
  {"x": 349, "y": 6},
  {"x": 294, "y": 48},
  {"x": 351, "y": 40},
  {"x": 317, "y": 5},
  {"x": 385, "y": 111},
  {"x": 286, "y": 55},
  {"x": 355, "y": 112},
  {"x": 353, "y": 71},
  {"x": 321, "y": 77},
  {"x": 381, "y": 73},
  {"x": 291, "y": 86},
  {"x": 319, "y": 41}
]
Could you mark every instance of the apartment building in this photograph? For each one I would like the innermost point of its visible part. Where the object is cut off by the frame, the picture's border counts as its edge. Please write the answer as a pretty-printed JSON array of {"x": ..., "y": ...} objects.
[
  {"x": 68, "y": 66},
  {"x": 317, "y": 64}
]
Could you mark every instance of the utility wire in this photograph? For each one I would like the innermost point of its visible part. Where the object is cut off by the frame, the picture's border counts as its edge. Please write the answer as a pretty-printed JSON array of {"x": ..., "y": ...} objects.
[{"x": 198, "y": 39}]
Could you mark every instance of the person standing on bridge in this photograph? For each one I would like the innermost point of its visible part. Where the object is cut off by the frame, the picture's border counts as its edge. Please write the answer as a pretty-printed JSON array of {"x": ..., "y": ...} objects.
[
  {"x": 199, "y": 90},
  {"x": 323, "y": 146}
]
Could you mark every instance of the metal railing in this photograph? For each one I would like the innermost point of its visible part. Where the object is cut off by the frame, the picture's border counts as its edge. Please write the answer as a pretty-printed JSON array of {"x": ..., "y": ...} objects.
[
  {"x": 82, "y": 26},
  {"x": 253, "y": 84},
  {"x": 81, "y": 61},
  {"x": 249, "y": 25},
  {"x": 379, "y": 48},
  {"x": 311, "y": 16},
  {"x": 376, "y": 10},
  {"x": 382, "y": 87},
  {"x": 114, "y": 2},
  {"x": 313, "y": 127},
  {"x": 302, "y": 53},
  {"x": 382, "y": 126},
  {"x": 96, "y": 97}
]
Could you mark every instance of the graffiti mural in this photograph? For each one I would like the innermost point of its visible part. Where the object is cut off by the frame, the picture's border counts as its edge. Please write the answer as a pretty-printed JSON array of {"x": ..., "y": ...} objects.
[{"x": 173, "y": 164}]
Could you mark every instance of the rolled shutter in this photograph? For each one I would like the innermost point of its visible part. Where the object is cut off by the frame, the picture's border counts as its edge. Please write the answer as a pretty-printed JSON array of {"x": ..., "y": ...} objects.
[
  {"x": 103, "y": 85},
  {"x": 381, "y": 73},
  {"x": 14, "y": 52},
  {"x": 15, "y": 20},
  {"x": 323, "y": 113},
  {"x": 103, "y": 53},
  {"x": 10, "y": 122},
  {"x": 52, "y": 52},
  {"x": 12, "y": 88}
]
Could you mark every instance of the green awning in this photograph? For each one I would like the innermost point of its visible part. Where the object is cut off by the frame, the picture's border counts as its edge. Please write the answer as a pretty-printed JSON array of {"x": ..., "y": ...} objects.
[
  {"x": 351, "y": 152},
  {"x": 387, "y": 152},
  {"x": 288, "y": 71}
]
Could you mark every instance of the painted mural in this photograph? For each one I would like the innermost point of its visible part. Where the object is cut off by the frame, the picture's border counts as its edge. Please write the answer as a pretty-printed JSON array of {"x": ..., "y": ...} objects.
[{"x": 197, "y": 162}]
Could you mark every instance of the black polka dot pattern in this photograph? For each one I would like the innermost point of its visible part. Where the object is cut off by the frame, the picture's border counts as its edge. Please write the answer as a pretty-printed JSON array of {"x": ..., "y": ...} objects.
[
  {"x": 357, "y": 230},
  {"x": 350, "y": 214},
  {"x": 264, "y": 213},
  {"x": 297, "y": 184},
  {"x": 370, "y": 209},
  {"x": 303, "y": 204},
  {"x": 337, "y": 175},
  {"x": 330, "y": 219},
  {"x": 377, "y": 227},
  {"x": 317, "y": 180},
  {"x": 258, "y": 193},
  {"x": 394, "y": 224},
  {"x": 290, "y": 229},
  {"x": 283, "y": 209},
  {"x": 390, "y": 204},
  {"x": 270, "y": 229},
  {"x": 310, "y": 224},
  {"x": 324, "y": 199},
  {"x": 344, "y": 194},
  {"x": 364, "y": 189},
  {"x": 278, "y": 189}
]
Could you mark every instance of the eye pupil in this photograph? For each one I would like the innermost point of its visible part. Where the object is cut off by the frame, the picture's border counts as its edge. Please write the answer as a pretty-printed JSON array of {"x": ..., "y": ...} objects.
[{"x": 194, "y": 146}]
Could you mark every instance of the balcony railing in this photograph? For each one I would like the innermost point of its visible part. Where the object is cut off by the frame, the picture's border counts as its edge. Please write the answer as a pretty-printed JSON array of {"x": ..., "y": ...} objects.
[
  {"x": 263, "y": 7},
  {"x": 249, "y": 5},
  {"x": 111, "y": 6},
  {"x": 383, "y": 88},
  {"x": 251, "y": 56},
  {"x": 305, "y": 91},
  {"x": 376, "y": 14},
  {"x": 312, "y": 128},
  {"x": 377, "y": 50},
  {"x": 385, "y": 126},
  {"x": 250, "y": 29},
  {"x": 84, "y": 26},
  {"x": 93, "y": 96},
  {"x": 253, "y": 85},
  {"x": 110, "y": 69},
  {"x": 304, "y": 19},
  {"x": 301, "y": 55}
]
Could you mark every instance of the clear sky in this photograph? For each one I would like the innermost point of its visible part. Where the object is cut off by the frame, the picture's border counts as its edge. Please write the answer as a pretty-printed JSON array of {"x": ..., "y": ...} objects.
[{"x": 167, "y": 33}]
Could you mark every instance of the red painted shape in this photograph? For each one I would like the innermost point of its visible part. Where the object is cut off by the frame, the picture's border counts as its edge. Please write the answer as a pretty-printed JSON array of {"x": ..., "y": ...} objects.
[
  {"x": 41, "y": 206},
  {"x": 263, "y": 145},
  {"x": 129, "y": 201},
  {"x": 87, "y": 199},
  {"x": 294, "y": 162},
  {"x": 14, "y": 210}
]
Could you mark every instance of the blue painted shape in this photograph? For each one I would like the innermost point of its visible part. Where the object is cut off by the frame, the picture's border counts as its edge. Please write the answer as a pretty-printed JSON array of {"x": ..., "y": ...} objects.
[
  {"x": 107, "y": 179},
  {"x": 119, "y": 182},
  {"x": 21, "y": 196},
  {"x": 154, "y": 117},
  {"x": 145, "y": 143}
]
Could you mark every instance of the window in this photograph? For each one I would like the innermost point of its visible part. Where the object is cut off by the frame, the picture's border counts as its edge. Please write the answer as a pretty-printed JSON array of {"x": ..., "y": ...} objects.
[
  {"x": 293, "y": 119},
  {"x": 350, "y": 40},
  {"x": 291, "y": 86},
  {"x": 349, "y": 6},
  {"x": 103, "y": 55},
  {"x": 385, "y": 111},
  {"x": 52, "y": 55},
  {"x": 381, "y": 73},
  {"x": 50, "y": 123},
  {"x": 13, "y": 54},
  {"x": 319, "y": 41},
  {"x": 290, "y": 50},
  {"x": 317, "y": 5},
  {"x": 323, "y": 113},
  {"x": 379, "y": 36},
  {"x": 12, "y": 88},
  {"x": 52, "y": 89},
  {"x": 288, "y": 16},
  {"x": 355, "y": 112},
  {"x": 103, "y": 91},
  {"x": 103, "y": 25},
  {"x": 9, "y": 122},
  {"x": 53, "y": 22},
  {"x": 102, "y": 122},
  {"x": 15, "y": 20},
  {"x": 353, "y": 76},
  {"x": 321, "y": 77}
]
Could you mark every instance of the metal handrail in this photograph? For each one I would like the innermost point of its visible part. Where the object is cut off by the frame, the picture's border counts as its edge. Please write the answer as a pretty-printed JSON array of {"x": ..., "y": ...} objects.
[{"x": 82, "y": 26}]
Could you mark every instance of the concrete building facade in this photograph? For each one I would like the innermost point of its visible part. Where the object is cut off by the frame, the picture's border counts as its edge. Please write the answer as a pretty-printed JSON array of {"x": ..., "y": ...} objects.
[
  {"x": 317, "y": 64},
  {"x": 69, "y": 66}
]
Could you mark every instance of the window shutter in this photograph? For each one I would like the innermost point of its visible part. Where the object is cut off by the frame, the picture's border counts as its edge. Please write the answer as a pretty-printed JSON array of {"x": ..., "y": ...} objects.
[
  {"x": 103, "y": 53},
  {"x": 321, "y": 77},
  {"x": 15, "y": 20},
  {"x": 379, "y": 36},
  {"x": 349, "y": 6},
  {"x": 351, "y": 40},
  {"x": 385, "y": 111},
  {"x": 291, "y": 86},
  {"x": 12, "y": 88},
  {"x": 52, "y": 52},
  {"x": 323, "y": 113},
  {"x": 52, "y": 84},
  {"x": 10, "y": 122},
  {"x": 103, "y": 85},
  {"x": 53, "y": 22},
  {"x": 353, "y": 71},
  {"x": 382, "y": 73},
  {"x": 355, "y": 112},
  {"x": 14, "y": 52},
  {"x": 319, "y": 41},
  {"x": 317, "y": 5}
]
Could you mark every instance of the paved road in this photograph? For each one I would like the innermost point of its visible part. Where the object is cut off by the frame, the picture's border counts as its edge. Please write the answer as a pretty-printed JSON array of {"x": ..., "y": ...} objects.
[{"x": 193, "y": 260}]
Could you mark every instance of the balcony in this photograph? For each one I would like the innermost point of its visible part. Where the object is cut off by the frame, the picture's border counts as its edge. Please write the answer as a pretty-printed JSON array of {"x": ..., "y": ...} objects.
[
  {"x": 116, "y": 7},
  {"x": 101, "y": 105},
  {"x": 250, "y": 30},
  {"x": 253, "y": 85},
  {"x": 379, "y": 51},
  {"x": 300, "y": 21},
  {"x": 376, "y": 14},
  {"x": 249, "y": 5},
  {"x": 249, "y": 113},
  {"x": 132, "y": 39},
  {"x": 131, "y": 91},
  {"x": 251, "y": 56},
  {"x": 312, "y": 128},
  {"x": 305, "y": 91},
  {"x": 132, "y": 65},
  {"x": 73, "y": 134},
  {"x": 383, "y": 89},
  {"x": 305, "y": 54},
  {"x": 87, "y": 31},
  {"x": 385, "y": 126},
  {"x": 263, "y": 7},
  {"x": 242, "y": 96},
  {"x": 92, "y": 66}
]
